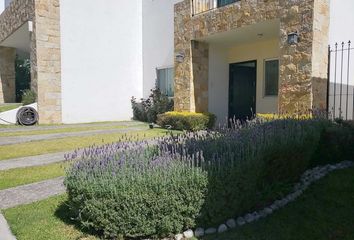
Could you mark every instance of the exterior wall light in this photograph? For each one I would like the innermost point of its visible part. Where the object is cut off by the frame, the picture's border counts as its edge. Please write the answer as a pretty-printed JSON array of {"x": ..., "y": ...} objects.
[
  {"x": 180, "y": 57},
  {"x": 293, "y": 38}
]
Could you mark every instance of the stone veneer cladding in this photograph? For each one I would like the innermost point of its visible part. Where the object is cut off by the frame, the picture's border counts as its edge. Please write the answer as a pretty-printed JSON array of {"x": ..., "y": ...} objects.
[
  {"x": 7, "y": 75},
  {"x": 45, "y": 50},
  {"x": 297, "y": 73}
]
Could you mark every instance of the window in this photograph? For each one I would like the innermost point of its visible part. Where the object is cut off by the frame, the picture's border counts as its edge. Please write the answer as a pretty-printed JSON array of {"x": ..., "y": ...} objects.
[
  {"x": 165, "y": 81},
  {"x": 271, "y": 72},
  {"x": 225, "y": 2}
]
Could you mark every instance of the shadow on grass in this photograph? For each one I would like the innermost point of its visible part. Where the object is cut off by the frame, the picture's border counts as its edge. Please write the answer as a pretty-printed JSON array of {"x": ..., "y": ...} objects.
[{"x": 66, "y": 214}]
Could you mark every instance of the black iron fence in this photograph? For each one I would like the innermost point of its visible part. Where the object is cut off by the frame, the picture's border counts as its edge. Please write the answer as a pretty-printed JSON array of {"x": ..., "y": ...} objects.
[
  {"x": 201, "y": 6},
  {"x": 340, "y": 87}
]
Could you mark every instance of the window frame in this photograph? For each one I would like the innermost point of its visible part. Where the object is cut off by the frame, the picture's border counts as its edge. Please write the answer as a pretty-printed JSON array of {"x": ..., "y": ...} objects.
[
  {"x": 158, "y": 80},
  {"x": 265, "y": 95}
]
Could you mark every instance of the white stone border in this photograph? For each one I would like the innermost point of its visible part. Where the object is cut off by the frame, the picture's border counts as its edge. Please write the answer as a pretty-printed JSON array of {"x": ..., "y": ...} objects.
[{"x": 308, "y": 178}]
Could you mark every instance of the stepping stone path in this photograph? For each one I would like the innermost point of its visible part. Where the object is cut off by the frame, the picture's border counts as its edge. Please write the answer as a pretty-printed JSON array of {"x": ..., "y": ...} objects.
[
  {"x": 32, "y": 138},
  {"x": 42, "y": 190},
  {"x": 32, "y": 161},
  {"x": 30, "y": 193}
]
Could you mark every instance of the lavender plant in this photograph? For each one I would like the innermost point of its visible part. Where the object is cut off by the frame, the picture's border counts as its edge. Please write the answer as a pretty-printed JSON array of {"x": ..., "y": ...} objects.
[
  {"x": 135, "y": 190},
  {"x": 168, "y": 184}
]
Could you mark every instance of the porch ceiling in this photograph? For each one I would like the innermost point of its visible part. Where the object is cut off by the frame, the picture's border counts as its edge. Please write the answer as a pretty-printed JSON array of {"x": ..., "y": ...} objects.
[
  {"x": 252, "y": 33},
  {"x": 20, "y": 39}
]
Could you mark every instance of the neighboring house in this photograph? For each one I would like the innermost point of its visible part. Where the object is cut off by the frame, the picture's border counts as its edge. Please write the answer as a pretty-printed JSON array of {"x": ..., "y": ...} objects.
[{"x": 88, "y": 57}]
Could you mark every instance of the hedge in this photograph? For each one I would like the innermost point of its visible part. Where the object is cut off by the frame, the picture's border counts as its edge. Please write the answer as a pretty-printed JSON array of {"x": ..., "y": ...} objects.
[{"x": 186, "y": 120}]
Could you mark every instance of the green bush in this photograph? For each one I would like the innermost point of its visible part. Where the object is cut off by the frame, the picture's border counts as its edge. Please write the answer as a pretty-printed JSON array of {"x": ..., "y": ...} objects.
[
  {"x": 28, "y": 97},
  {"x": 135, "y": 194},
  {"x": 337, "y": 143},
  {"x": 198, "y": 178},
  {"x": 23, "y": 76},
  {"x": 147, "y": 109},
  {"x": 187, "y": 121}
]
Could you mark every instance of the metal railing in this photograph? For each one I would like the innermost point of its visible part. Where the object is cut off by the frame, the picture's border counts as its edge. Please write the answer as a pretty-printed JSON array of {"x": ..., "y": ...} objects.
[
  {"x": 340, "y": 87},
  {"x": 201, "y": 6}
]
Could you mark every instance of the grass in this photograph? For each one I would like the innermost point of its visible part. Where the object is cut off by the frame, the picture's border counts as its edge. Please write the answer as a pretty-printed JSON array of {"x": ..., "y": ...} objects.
[
  {"x": 63, "y": 130},
  {"x": 71, "y": 143},
  {"x": 43, "y": 221},
  {"x": 8, "y": 107},
  {"x": 324, "y": 212},
  {"x": 21, "y": 176}
]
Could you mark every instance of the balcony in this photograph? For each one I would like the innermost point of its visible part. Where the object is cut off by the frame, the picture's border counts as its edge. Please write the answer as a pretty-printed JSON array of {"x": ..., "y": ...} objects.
[{"x": 201, "y": 6}]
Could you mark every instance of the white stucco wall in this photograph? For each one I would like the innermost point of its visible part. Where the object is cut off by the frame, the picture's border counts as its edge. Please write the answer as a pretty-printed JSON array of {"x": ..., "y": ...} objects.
[
  {"x": 220, "y": 57},
  {"x": 101, "y": 45},
  {"x": 158, "y": 39},
  {"x": 2, "y": 6}
]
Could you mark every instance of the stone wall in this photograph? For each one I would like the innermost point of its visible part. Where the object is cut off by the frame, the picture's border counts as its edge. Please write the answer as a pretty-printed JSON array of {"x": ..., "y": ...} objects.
[
  {"x": 14, "y": 16},
  {"x": 320, "y": 54},
  {"x": 45, "y": 50},
  {"x": 295, "y": 90},
  {"x": 7, "y": 75},
  {"x": 200, "y": 67},
  {"x": 46, "y": 60}
]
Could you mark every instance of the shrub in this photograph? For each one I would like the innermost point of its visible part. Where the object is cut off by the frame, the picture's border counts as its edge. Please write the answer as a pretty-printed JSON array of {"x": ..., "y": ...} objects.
[
  {"x": 272, "y": 117},
  {"x": 148, "y": 109},
  {"x": 135, "y": 193},
  {"x": 29, "y": 97},
  {"x": 187, "y": 121},
  {"x": 23, "y": 76},
  {"x": 336, "y": 143},
  {"x": 193, "y": 179},
  {"x": 251, "y": 166}
]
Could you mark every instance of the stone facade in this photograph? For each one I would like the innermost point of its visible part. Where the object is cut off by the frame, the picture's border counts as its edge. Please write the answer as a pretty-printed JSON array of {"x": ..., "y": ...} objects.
[
  {"x": 7, "y": 75},
  {"x": 45, "y": 51},
  {"x": 46, "y": 63},
  {"x": 298, "y": 75},
  {"x": 14, "y": 16}
]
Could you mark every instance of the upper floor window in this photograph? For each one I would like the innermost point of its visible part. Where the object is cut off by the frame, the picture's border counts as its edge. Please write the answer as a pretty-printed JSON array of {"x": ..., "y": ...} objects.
[
  {"x": 271, "y": 77},
  {"x": 165, "y": 81},
  {"x": 225, "y": 2},
  {"x": 200, "y": 6}
]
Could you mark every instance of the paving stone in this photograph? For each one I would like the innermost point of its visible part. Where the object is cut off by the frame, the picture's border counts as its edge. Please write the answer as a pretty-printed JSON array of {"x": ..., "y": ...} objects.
[{"x": 31, "y": 193}]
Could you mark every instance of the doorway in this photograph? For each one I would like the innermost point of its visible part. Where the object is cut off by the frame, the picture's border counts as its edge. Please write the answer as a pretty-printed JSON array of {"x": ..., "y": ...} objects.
[{"x": 242, "y": 90}]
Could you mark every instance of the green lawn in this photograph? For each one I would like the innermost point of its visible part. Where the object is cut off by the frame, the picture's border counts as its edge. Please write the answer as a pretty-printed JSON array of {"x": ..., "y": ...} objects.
[
  {"x": 8, "y": 107},
  {"x": 72, "y": 143},
  {"x": 44, "y": 221},
  {"x": 21, "y": 176},
  {"x": 63, "y": 130},
  {"x": 324, "y": 212}
]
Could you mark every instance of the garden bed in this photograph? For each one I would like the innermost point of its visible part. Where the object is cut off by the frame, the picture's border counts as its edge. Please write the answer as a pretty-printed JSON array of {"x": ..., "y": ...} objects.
[{"x": 196, "y": 179}]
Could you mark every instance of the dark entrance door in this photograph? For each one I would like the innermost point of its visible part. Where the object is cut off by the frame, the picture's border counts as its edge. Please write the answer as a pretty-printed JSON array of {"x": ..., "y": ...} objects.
[{"x": 242, "y": 90}]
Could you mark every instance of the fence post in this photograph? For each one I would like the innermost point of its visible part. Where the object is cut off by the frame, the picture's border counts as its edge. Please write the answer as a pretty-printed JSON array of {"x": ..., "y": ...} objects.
[
  {"x": 348, "y": 72},
  {"x": 328, "y": 79}
]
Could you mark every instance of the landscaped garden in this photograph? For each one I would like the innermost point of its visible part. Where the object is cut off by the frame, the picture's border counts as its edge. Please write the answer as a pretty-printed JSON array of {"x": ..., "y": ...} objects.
[{"x": 200, "y": 180}]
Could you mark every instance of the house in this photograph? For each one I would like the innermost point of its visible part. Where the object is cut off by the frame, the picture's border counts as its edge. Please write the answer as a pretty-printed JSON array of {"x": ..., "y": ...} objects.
[{"x": 89, "y": 57}]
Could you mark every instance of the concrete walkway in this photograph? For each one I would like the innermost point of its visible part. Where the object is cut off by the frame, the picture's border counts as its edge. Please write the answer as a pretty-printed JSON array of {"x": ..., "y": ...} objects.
[
  {"x": 83, "y": 125},
  {"x": 5, "y": 232},
  {"x": 32, "y": 161},
  {"x": 26, "y": 194},
  {"x": 32, "y": 138}
]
